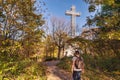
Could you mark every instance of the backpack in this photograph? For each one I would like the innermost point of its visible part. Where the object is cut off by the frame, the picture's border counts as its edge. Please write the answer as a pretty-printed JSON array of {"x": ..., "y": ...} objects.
[{"x": 79, "y": 63}]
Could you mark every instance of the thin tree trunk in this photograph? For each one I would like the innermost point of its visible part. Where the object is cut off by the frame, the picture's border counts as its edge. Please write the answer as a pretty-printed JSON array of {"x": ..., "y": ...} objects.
[
  {"x": 53, "y": 55},
  {"x": 63, "y": 51},
  {"x": 59, "y": 52}
]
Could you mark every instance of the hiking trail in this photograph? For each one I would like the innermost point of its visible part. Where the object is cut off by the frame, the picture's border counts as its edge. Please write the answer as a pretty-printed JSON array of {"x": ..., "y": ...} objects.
[{"x": 55, "y": 73}]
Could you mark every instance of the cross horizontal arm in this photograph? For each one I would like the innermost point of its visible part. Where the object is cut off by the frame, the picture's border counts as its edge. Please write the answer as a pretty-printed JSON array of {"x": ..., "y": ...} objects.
[{"x": 72, "y": 13}]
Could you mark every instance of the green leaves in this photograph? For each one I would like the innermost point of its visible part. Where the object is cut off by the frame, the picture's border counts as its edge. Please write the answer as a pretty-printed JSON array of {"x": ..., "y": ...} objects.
[
  {"x": 92, "y": 8},
  {"x": 20, "y": 37},
  {"x": 17, "y": 15},
  {"x": 19, "y": 24},
  {"x": 109, "y": 2},
  {"x": 107, "y": 19}
]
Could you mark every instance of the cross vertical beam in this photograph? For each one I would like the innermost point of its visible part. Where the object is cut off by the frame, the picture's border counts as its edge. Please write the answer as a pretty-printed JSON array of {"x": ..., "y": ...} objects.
[{"x": 73, "y": 15}]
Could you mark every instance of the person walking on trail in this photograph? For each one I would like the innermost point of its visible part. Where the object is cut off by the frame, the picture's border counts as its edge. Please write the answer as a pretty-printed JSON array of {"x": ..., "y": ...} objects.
[{"x": 77, "y": 66}]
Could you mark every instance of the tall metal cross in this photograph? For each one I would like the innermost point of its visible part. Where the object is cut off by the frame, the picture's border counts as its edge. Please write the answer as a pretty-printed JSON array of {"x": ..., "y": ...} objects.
[{"x": 73, "y": 15}]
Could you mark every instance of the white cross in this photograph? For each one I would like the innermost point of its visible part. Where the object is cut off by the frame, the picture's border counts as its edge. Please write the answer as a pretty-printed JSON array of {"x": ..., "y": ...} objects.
[{"x": 73, "y": 15}]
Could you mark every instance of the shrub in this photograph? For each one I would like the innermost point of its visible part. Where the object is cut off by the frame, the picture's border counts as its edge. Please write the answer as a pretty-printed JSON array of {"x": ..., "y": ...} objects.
[
  {"x": 48, "y": 58},
  {"x": 65, "y": 63},
  {"x": 26, "y": 69}
]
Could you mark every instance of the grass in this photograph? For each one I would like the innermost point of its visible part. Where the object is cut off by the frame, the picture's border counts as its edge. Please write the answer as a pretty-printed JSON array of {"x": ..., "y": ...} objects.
[
  {"x": 96, "y": 68},
  {"x": 14, "y": 68},
  {"x": 65, "y": 63}
]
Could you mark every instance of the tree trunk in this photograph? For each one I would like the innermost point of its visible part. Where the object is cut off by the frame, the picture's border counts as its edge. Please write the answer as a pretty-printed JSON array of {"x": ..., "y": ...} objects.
[
  {"x": 50, "y": 54},
  {"x": 59, "y": 52},
  {"x": 46, "y": 53},
  {"x": 63, "y": 51},
  {"x": 53, "y": 55}
]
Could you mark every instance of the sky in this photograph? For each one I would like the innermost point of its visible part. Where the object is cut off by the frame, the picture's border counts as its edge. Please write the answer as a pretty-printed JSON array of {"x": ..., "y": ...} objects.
[{"x": 59, "y": 7}]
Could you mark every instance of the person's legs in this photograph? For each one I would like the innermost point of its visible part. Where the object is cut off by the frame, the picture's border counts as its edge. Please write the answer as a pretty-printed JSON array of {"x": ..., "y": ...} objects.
[{"x": 76, "y": 75}]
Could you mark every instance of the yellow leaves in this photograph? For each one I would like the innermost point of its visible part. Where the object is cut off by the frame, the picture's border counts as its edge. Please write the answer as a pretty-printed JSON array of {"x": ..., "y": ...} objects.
[
  {"x": 111, "y": 35},
  {"x": 114, "y": 35},
  {"x": 117, "y": 72},
  {"x": 9, "y": 47},
  {"x": 9, "y": 1},
  {"x": 3, "y": 42},
  {"x": 0, "y": 1},
  {"x": 109, "y": 2},
  {"x": 0, "y": 72}
]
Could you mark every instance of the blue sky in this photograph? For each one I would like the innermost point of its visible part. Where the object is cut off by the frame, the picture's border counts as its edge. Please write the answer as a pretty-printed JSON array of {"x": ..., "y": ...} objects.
[{"x": 58, "y": 8}]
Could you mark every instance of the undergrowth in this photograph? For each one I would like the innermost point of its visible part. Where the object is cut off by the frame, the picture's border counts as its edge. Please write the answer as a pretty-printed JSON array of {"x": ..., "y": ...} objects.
[
  {"x": 96, "y": 68},
  {"x": 16, "y": 68}
]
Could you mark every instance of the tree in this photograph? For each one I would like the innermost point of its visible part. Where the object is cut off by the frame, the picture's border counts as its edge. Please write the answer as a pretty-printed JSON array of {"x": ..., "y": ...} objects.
[
  {"x": 19, "y": 22},
  {"x": 108, "y": 22},
  {"x": 49, "y": 47},
  {"x": 108, "y": 18},
  {"x": 60, "y": 31}
]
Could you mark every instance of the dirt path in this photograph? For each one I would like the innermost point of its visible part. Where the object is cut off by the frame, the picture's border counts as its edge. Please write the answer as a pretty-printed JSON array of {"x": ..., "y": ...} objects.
[{"x": 54, "y": 73}]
